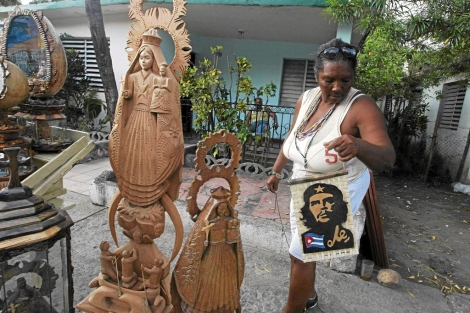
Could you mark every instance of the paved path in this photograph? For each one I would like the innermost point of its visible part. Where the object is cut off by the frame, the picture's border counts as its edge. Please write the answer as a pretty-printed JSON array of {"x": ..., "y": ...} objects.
[{"x": 266, "y": 280}]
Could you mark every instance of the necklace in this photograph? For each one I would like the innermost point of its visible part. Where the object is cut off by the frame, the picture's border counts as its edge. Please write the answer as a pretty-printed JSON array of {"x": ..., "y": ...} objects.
[{"x": 312, "y": 130}]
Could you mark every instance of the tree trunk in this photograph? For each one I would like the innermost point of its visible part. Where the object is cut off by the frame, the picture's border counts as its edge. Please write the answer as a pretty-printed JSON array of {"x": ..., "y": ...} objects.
[{"x": 103, "y": 55}]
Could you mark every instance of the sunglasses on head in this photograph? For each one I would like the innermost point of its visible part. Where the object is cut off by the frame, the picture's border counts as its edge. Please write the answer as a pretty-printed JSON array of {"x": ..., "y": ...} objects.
[{"x": 331, "y": 52}]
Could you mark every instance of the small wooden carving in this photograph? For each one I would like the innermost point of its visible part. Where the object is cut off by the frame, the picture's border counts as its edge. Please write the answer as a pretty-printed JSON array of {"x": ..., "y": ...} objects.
[
  {"x": 210, "y": 270},
  {"x": 146, "y": 153}
]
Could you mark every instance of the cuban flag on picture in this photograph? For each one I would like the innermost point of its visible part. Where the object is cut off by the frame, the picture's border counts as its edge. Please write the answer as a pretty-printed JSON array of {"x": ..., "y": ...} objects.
[{"x": 314, "y": 241}]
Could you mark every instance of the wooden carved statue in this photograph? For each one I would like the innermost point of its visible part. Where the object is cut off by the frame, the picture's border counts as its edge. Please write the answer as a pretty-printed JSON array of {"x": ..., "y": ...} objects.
[
  {"x": 146, "y": 153},
  {"x": 209, "y": 273}
]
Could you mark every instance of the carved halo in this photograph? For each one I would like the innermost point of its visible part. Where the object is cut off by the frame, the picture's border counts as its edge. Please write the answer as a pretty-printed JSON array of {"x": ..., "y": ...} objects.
[
  {"x": 161, "y": 18},
  {"x": 206, "y": 173},
  {"x": 3, "y": 77}
]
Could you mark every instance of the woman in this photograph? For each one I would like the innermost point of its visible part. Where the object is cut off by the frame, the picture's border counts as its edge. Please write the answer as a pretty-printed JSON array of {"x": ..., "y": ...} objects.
[{"x": 334, "y": 126}]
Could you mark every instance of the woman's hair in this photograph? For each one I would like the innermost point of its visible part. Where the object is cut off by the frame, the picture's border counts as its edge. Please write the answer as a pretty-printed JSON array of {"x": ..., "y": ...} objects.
[{"x": 340, "y": 58}]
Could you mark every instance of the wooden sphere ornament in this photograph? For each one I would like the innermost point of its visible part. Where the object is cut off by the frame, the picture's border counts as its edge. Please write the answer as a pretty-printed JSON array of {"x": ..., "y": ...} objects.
[
  {"x": 13, "y": 84},
  {"x": 29, "y": 40}
]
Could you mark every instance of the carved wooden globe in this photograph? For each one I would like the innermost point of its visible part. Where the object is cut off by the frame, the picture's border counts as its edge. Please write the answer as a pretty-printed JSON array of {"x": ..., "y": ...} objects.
[
  {"x": 29, "y": 40},
  {"x": 13, "y": 84}
]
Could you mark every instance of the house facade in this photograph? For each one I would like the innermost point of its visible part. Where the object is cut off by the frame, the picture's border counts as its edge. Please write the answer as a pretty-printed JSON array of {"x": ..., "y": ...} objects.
[
  {"x": 272, "y": 34},
  {"x": 449, "y": 124}
]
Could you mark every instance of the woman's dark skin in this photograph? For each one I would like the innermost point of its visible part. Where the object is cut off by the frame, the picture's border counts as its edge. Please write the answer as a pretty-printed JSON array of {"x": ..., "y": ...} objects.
[{"x": 364, "y": 135}]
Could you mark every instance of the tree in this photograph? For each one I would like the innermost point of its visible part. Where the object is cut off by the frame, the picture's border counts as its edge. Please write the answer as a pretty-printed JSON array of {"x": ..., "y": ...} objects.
[
  {"x": 103, "y": 55},
  {"x": 442, "y": 26},
  {"x": 82, "y": 106},
  {"x": 407, "y": 47},
  {"x": 7, "y": 3}
]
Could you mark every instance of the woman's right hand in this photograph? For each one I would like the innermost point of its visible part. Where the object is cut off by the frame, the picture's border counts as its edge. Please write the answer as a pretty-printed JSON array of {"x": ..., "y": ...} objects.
[{"x": 272, "y": 183}]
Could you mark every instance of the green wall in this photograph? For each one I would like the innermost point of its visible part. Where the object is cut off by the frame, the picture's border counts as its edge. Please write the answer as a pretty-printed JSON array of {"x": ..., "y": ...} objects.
[{"x": 266, "y": 56}]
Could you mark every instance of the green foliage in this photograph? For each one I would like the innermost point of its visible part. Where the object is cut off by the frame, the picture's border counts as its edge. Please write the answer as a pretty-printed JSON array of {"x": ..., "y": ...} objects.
[
  {"x": 442, "y": 26},
  {"x": 7, "y": 3},
  {"x": 381, "y": 65},
  {"x": 82, "y": 105},
  {"x": 408, "y": 46},
  {"x": 43, "y": 1},
  {"x": 217, "y": 106}
]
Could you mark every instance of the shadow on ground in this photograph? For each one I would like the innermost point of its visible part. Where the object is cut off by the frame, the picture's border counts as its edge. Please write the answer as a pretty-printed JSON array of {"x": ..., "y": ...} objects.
[{"x": 427, "y": 233}]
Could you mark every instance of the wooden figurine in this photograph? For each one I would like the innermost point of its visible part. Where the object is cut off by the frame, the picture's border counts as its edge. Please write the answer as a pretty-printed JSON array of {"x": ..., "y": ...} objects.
[
  {"x": 209, "y": 273},
  {"x": 146, "y": 153}
]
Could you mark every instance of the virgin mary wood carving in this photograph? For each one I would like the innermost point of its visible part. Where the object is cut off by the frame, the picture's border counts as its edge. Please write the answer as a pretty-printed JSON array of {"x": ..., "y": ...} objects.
[
  {"x": 209, "y": 273},
  {"x": 146, "y": 153}
]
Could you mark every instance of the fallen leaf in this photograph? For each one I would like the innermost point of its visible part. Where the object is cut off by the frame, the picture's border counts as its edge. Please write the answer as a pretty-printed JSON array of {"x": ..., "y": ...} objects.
[
  {"x": 411, "y": 277},
  {"x": 420, "y": 281},
  {"x": 433, "y": 237},
  {"x": 267, "y": 270},
  {"x": 409, "y": 292},
  {"x": 464, "y": 221},
  {"x": 430, "y": 268}
]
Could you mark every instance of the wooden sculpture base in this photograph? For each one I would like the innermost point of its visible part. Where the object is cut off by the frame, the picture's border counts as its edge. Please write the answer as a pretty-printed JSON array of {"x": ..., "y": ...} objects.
[
  {"x": 109, "y": 297},
  {"x": 136, "y": 276},
  {"x": 140, "y": 282}
]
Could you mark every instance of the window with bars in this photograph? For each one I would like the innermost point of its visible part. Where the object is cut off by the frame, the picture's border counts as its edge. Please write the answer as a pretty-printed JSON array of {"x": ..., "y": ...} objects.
[
  {"x": 84, "y": 46},
  {"x": 297, "y": 76},
  {"x": 452, "y": 102}
]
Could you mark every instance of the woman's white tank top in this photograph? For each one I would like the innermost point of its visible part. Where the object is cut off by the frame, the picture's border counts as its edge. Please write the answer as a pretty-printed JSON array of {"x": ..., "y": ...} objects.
[{"x": 319, "y": 160}]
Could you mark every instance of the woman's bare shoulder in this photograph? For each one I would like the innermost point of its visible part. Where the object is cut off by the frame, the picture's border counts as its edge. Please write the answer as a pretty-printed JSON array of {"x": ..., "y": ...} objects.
[{"x": 365, "y": 107}]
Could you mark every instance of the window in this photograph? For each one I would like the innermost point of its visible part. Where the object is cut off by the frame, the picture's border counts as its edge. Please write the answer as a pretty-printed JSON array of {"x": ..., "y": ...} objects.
[
  {"x": 452, "y": 102},
  {"x": 85, "y": 48},
  {"x": 297, "y": 76}
]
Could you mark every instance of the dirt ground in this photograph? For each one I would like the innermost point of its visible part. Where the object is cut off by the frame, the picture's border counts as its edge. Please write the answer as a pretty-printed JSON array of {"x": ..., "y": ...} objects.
[{"x": 427, "y": 232}]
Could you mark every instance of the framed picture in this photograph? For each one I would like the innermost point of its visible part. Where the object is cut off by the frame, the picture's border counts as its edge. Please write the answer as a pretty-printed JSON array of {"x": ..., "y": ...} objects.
[{"x": 324, "y": 216}]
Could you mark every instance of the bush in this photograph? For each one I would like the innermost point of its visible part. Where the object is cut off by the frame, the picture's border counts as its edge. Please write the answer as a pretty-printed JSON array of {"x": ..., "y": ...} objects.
[{"x": 82, "y": 106}]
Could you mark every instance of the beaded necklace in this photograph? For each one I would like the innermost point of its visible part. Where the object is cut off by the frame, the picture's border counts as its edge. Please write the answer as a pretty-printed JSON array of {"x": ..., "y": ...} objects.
[{"x": 312, "y": 130}]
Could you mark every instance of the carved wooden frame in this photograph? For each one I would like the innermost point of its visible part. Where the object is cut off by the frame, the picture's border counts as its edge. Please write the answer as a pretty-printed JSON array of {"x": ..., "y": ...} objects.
[
  {"x": 161, "y": 18},
  {"x": 206, "y": 173},
  {"x": 3, "y": 74},
  {"x": 48, "y": 39}
]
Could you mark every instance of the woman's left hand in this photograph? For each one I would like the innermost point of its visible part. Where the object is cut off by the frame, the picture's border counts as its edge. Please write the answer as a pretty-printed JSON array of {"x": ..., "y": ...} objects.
[{"x": 346, "y": 146}]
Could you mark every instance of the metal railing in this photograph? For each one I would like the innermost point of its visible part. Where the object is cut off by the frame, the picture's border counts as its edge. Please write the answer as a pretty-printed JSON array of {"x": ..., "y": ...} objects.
[{"x": 262, "y": 144}]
